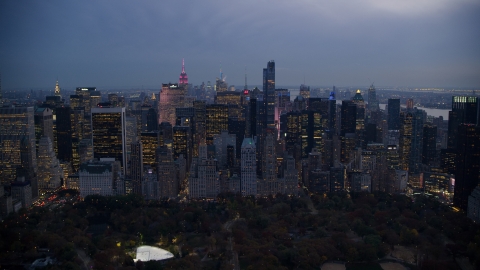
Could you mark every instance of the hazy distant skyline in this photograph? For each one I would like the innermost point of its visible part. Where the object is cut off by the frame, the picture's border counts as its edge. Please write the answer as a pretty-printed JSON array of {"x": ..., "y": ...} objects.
[{"x": 127, "y": 44}]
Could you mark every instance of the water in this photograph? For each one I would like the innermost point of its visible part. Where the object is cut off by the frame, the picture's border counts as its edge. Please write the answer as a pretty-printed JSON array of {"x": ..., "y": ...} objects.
[{"x": 429, "y": 111}]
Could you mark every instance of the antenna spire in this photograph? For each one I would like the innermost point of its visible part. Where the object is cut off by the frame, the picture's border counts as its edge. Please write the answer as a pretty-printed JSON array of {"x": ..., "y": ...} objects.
[{"x": 246, "y": 87}]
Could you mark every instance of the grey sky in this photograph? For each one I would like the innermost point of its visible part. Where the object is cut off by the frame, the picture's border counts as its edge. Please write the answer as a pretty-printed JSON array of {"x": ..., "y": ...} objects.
[{"x": 127, "y": 44}]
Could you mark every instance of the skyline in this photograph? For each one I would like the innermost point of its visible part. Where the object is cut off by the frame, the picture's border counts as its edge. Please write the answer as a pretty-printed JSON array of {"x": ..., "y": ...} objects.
[{"x": 410, "y": 43}]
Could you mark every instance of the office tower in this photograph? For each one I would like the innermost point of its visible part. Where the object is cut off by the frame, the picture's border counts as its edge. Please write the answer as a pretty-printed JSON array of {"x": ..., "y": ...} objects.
[
  {"x": 109, "y": 134},
  {"x": 63, "y": 125},
  {"x": 253, "y": 117},
  {"x": 269, "y": 185},
  {"x": 182, "y": 143},
  {"x": 100, "y": 177},
  {"x": 21, "y": 190},
  {"x": 417, "y": 141},
  {"x": 292, "y": 130},
  {"x": 85, "y": 151},
  {"x": 166, "y": 132},
  {"x": 393, "y": 157},
  {"x": 465, "y": 110},
  {"x": 17, "y": 125},
  {"x": 248, "y": 168},
  {"x": 204, "y": 179},
  {"x": 269, "y": 94},
  {"x": 183, "y": 79},
  {"x": 237, "y": 127},
  {"x": 221, "y": 142},
  {"x": 113, "y": 99},
  {"x": 216, "y": 120},
  {"x": 171, "y": 96},
  {"x": 166, "y": 173},
  {"x": 200, "y": 125},
  {"x": 371, "y": 133},
  {"x": 348, "y": 117},
  {"x": 136, "y": 166},
  {"x": 304, "y": 91},
  {"x": 409, "y": 104},
  {"x": 43, "y": 124},
  {"x": 405, "y": 143},
  {"x": 220, "y": 84},
  {"x": 467, "y": 163},
  {"x": 49, "y": 170},
  {"x": 347, "y": 130},
  {"x": 289, "y": 182},
  {"x": 185, "y": 115},
  {"x": 150, "y": 142},
  {"x": 84, "y": 92},
  {"x": 429, "y": 150},
  {"x": 360, "y": 118},
  {"x": 372, "y": 99},
  {"x": 393, "y": 114},
  {"x": 152, "y": 117}
]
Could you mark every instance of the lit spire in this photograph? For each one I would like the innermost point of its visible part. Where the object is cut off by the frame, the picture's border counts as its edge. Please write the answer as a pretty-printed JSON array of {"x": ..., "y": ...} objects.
[
  {"x": 183, "y": 79},
  {"x": 57, "y": 89}
]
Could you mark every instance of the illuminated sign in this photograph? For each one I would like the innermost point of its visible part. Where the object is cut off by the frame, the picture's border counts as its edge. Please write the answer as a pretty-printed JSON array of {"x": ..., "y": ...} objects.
[{"x": 245, "y": 92}]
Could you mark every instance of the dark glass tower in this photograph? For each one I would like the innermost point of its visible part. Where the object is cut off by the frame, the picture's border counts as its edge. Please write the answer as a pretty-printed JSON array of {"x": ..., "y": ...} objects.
[
  {"x": 393, "y": 114},
  {"x": 467, "y": 163},
  {"x": 269, "y": 94},
  {"x": 109, "y": 134},
  {"x": 465, "y": 110}
]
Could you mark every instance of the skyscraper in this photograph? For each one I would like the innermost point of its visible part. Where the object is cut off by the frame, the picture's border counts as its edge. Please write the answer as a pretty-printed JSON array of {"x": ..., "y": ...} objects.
[
  {"x": 49, "y": 170},
  {"x": 57, "y": 90},
  {"x": 465, "y": 110},
  {"x": 183, "y": 76},
  {"x": 171, "y": 96},
  {"x": 248, "y": 168},
  {"x": 109, "y": 134},
  {"x": 216, "y": 120},
  {"x": 429, "y": 150},
  {"x": 467, "y": 163},
  {"x": 393, "y": 114},
  {"x": 269, "y": 94},
  {"x": 16, "y": 125},
  {"x": 372, "y": 99},
  {"x": 166, "y": 173}
]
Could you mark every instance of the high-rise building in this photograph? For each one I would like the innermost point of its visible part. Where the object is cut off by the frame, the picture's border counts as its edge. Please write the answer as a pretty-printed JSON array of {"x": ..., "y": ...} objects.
[
  {"x": 465, "y": 110},
  {"x": 429, "y": 150},
  {"x": 150, "y": 141},
  {"x": 405, "y": 144},
  {"x": 393, "y": 114},
  {"x": 204, "y": 179},
  {"x": 166, "y": 173},
  {"x": 49, "y": 170},
  {"x": 183, "y": 79},
  {"x": 16, "y": 125},
  {"x": 182, "y": 143},
  {"x": 221, "y": 142},
  {"x": 248, "y": 168},
  {"x": 136, "y": 166},
  {"x": 171, "y": 96},
  {"x": 372, "y": 99},
  {"x": 409, "y": 104},
  {"x": 63, "y": 126},
  {"x": 109, "y": 134},
  {"x": 269, "y": 184},
  {"x": 269, "y": 94},
  {"x": 417, "y": 141},
  {"x": 467, "y": 163},
  {"x": 43, "y": 124},
  {"x": 216, "y": 120}
]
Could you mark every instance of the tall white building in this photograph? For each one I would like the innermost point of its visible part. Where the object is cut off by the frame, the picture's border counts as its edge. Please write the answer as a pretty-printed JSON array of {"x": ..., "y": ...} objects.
[
  {"x": 49, "y": 170},
  {"x": 248, "y": 168}
]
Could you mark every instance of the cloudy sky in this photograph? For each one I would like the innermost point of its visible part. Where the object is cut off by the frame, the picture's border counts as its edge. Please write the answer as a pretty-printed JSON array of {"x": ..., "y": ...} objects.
[{"x": 129, "y": 44}]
